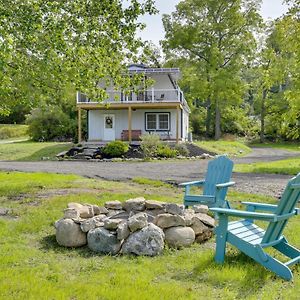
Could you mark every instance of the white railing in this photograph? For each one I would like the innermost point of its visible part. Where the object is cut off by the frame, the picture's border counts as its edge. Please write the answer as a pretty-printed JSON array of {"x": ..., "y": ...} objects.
[{"x": 152, "y": 95}]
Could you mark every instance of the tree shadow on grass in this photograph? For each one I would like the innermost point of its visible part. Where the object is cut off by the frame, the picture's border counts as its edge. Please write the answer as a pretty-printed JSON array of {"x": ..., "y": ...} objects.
[{"x": 255, "y": 278}]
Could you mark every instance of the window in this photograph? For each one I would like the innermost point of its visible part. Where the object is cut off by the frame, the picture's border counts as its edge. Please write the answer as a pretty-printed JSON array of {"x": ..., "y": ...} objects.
[{"x": 158, "y": 121}]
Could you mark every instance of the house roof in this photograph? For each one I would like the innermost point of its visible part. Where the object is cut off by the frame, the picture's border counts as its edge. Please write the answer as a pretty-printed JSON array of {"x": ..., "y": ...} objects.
[{"x": 140, "y": 68}]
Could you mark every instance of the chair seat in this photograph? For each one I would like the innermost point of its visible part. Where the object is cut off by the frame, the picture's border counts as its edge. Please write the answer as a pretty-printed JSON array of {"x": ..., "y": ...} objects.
[{"x": 246, "y": 231}]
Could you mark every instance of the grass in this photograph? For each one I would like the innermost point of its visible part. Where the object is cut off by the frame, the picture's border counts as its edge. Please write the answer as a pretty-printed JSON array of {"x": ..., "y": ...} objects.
[
  {"x": 289, "y": 146},
  {"x": 31, "y": 151},
  {"x": 33, "y": 266},
  {"x": 232, "y": 148},
  {"x": 12, "y": 131},
  {"x": 289, "y": 166}
]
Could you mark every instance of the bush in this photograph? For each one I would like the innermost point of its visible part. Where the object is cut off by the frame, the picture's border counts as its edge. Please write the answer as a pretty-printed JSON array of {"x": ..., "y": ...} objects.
[
  {"x": 115, "y": 149},
  {"x": 51, "y": 124},
  {"x": 182, "y": 149},
  {"x": 150, "y": 144},
  {"x": 166, "y": 151}
]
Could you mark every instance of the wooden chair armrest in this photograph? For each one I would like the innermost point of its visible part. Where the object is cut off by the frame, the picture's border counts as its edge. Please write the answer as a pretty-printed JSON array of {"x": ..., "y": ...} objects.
[
  {"x": 224, "y": 185},
  {"x": 196, "y": 183},
  {"x": 253, "y": 206}
]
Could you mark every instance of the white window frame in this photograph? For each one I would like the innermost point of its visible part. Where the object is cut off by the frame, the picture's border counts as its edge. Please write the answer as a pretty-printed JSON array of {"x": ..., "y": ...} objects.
[{"x": 157, "y": 114}]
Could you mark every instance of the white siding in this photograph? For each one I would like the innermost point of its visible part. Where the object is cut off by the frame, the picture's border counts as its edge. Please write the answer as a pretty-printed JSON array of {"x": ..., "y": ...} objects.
[{"x": 96, "y": 122}]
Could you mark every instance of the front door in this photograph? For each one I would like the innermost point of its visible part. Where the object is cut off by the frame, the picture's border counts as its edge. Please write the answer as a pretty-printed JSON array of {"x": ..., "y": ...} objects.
[{"x": 109, "y": 128}]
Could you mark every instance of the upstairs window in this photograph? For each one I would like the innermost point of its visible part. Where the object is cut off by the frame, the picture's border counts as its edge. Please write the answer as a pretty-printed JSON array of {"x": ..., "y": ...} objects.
[{"x": 158, "y": 121}]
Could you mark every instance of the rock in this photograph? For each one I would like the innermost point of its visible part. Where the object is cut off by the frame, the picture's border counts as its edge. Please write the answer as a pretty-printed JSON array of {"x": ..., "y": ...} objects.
[
  {"x": 69, "y": 234},
  {"x": 174, "y": 209},
  {"x": 123, "y": 231},
  {"x": 137, "y": 222},
  {"x": 136, "y": 204},
  {"x": 74, "y": 205},
  {"x": 117, "y": 205},
  {"x": 168, "y": 220},
  {"x": 200, "y": 208},
  {"x": 103, "y": 241},
  {"x": 115, "y": 212},
  {"x": 100, "y": 210},
  {"x": 206, "y": 219},
  {"x": 148, "y": 241},
  {"x": 4, "y": 211},
  {"x": 155, "y": 212},
  {"x": 62, "y": 154},
  {"x": 198, "y": 226},
  {"x": 153, "y": 204},
  {"x": 71, "y": 213},
  {"x": 188, "y": 217},
  {"x": 89, "y": 224},
  {"x": 119, "y": 214},
  {"x": 112, "y": 224},
  {"x": 85, "y": 211},
  {"x": 178, "y": 237},
  {"x": 206, "y": 235}
]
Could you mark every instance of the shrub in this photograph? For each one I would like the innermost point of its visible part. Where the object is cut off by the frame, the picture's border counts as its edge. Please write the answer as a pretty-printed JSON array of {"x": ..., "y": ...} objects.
[
  {"x": 115, "y": 149},
  {"x": 182, "y": 149},
  {"x": 150, "y": 144},
  {"x": 166, "y": 151},
  {"x": 51, "y": 124}
]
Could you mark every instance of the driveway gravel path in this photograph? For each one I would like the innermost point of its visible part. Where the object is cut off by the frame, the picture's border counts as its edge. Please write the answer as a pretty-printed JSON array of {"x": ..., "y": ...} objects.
[{"x": 168, "y": 171}]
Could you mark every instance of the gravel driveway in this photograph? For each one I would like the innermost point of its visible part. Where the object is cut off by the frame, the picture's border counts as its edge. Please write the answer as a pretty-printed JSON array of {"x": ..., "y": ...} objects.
[{"x": 169, "y": 171}]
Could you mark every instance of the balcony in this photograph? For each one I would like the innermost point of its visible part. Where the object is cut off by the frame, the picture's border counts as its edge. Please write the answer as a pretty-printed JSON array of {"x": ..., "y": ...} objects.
[{"x": 143, "y": 96}]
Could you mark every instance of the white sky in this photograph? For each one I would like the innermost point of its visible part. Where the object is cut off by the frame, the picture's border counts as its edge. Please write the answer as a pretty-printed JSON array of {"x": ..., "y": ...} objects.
[{"x": 155, "y": 32}]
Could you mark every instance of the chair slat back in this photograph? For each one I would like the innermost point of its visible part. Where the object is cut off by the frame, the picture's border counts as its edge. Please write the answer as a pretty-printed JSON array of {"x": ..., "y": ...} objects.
[
  {"x": 219, "y": 170},
  {"x": 286, "y": 205}
]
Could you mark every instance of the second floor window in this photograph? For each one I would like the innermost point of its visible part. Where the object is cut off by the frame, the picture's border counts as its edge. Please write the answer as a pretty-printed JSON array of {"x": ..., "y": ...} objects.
[{"x": 157, "y": 121}]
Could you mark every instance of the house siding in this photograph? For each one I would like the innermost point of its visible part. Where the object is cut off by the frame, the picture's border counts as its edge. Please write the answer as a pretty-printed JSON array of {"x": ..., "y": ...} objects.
[{"x": 96, "y": 122}]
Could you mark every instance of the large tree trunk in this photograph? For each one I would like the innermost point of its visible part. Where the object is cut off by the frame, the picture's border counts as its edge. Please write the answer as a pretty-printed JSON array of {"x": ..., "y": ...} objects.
[
  {"x": 262, "y": 116},
  {"x": 208, "y": 118},
  {"x": 217, "y": 123}
]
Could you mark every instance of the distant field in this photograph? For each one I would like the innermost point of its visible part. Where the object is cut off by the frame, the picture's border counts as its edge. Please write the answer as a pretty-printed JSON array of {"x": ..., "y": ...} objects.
[
  {"x": 10, "y": 131},
  {"x": 285, "y": 146},
  {"x": 232, "y": 148}
]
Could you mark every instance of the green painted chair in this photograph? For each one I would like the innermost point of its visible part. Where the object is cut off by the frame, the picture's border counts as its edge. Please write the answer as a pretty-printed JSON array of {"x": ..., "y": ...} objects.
[
  {"x": 252, "y": 240},
  {"x": 215, "y": 185}
]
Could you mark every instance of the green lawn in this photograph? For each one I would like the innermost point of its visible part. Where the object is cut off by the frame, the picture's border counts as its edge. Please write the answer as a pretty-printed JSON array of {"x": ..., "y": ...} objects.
[
  {"x": 13, "y": 131},
  {"x": 31, "y": 151},
  {"x": 33, "y": 266},
  {"x": 285, "y": 146},
  {"x": 289, "y": 166},
  {"x": 232, "y": 148}
]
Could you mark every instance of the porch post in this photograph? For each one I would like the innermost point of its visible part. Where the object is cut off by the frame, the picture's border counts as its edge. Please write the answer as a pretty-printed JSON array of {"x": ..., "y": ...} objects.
[
  {"x": 177, "y": 125},
  {"x": 129, "y": 124},
  {"x": 79, "y": 125}
]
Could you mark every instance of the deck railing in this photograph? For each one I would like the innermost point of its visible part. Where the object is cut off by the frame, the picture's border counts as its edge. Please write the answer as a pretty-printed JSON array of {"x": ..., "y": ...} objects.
[{"x": 152, "y": 95}]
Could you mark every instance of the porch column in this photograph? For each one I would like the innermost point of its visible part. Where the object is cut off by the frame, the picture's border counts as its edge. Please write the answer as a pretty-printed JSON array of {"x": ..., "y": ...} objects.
[
  {"x": 129, "y": 124},
  {"x": 177, "y": 125},
  {"x": 79, "y": 125}
]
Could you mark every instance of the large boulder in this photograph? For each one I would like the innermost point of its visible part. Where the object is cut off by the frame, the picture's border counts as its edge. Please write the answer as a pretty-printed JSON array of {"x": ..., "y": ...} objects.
[
  {"x": 103, "y": 241},
  {"x": 206, "y": 219},
  {"x": 137, "y": 221},
  {"x": 153, "y": 204},
  {"x": 136, "y": 204},
  {"x": 69, "y": 234},
  {"x": 168, "y": 220},
  {"x": 147, "y": 241},
  {"x": 174, "y": 209},
  {"x": 71, "y": 213},
  {"x": 177, "y": 237},
  {"x": 198, "y": 226}
]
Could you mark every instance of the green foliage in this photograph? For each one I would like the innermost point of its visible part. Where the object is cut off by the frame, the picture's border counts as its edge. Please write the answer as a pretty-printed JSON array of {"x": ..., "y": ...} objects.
[
  {"x": 8, "y": 131},
  {"x": 115, "y": 149},
  {"x": 165, "y": 151},
  {"x": 150, "y": 144},
  {"x": 50, "y": 124},
  {"x": 197, "y": 121},
  {"x": 182, "y": 149}
]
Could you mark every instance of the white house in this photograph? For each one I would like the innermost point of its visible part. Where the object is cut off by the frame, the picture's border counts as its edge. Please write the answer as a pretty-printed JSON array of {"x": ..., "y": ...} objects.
[{"x": 160, "y": 109}]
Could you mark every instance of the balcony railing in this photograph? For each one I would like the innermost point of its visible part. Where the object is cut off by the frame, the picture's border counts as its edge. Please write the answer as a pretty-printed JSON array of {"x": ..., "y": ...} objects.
[{"x": 146, "y": 96}]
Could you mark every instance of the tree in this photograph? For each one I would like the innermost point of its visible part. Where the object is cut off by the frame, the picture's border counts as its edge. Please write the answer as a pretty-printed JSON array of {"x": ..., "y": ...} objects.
[
  {"x": 215, "y": 37},
  {"x": 46, "y": 45}
]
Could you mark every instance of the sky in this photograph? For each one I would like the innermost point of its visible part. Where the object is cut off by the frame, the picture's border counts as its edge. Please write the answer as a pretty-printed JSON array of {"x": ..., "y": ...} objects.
[{"x": 154, "y": 31}]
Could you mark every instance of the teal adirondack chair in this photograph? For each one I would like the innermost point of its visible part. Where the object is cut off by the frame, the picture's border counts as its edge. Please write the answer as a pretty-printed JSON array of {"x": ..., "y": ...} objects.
[
  {"x": 252, "y": 240},
  {"x": 215, "y": 185}
]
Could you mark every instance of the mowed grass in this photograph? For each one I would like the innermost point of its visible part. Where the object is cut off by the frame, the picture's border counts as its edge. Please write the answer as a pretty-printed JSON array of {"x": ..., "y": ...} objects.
[
  {"x": 284, "y": 146},
  {"x": 31, "y": 151},
  {"x": 231, "y": 148},
  {"x": 289, "y": 166},
  {"x": 33, "y": 266}
]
